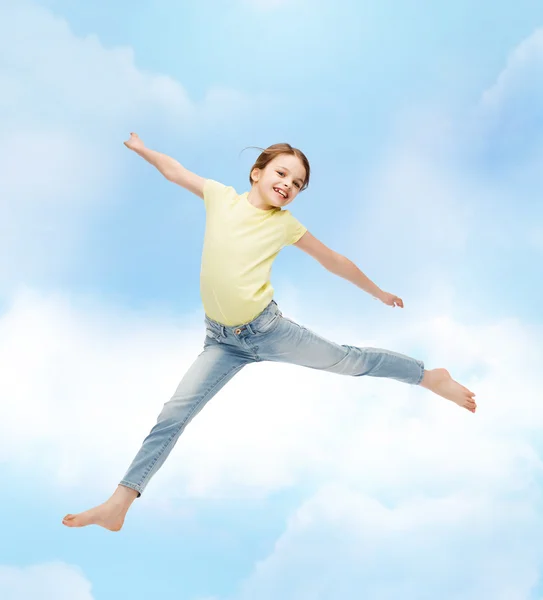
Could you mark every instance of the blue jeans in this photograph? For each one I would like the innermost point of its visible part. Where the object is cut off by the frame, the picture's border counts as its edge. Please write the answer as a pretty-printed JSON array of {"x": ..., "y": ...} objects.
[{"x": 269, "y": 337}]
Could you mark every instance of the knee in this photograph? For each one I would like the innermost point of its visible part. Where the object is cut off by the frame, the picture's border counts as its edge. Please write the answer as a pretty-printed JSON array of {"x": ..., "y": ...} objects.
[{"x": 177, "y": 408}]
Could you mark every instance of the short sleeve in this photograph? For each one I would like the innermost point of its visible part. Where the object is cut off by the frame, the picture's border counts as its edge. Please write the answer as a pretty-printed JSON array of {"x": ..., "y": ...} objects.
[
  {"x": 213, "y": 190},
  {"x": 293, "y": 229}
]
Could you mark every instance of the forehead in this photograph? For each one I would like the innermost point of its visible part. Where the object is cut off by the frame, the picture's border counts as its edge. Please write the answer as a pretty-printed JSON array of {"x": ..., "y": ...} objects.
[{"x": 292, "y": 163}]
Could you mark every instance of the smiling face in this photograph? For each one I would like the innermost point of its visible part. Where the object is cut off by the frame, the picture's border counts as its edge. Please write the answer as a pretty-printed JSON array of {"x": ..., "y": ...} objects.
[{"x": 280, "y": 181}]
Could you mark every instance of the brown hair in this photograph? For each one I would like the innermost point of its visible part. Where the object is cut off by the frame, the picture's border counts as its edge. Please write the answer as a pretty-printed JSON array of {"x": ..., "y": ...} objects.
[{"x": 272, "y": 152}]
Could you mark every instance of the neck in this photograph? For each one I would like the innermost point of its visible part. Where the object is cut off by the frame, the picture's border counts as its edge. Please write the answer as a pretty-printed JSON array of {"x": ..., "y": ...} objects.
[{"x": 256, "y": 199}]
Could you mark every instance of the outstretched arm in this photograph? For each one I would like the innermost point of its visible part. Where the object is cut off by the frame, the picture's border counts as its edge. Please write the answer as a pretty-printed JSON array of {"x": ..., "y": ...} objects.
[
  {"x": 345, "y": 268},
  {"x": 169, "y": 167}
]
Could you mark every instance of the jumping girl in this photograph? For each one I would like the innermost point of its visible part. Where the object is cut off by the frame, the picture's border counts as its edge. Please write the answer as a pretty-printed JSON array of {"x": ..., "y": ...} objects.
[{"x": 244, "y": 233}]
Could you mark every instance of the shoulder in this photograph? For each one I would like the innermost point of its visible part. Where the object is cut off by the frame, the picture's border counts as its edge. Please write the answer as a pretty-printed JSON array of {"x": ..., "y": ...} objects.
[
  {"x": 216, "y": 187},
  {"x": 287, "y": 217},
  {"x": 214, "y": 190},
  {"x": 294, "y": 230}
]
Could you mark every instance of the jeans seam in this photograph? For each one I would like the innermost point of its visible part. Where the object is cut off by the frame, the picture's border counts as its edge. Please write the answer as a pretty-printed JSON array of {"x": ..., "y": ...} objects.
[
  {"x": 421, "y": 365},
  {"x": 133, "y": 486},
  {"x": 383, "y": 353},
  {"x": 274, "y": 325},
  {"x": 348, "y": 351},
  {"x": 182, "y": 424}
]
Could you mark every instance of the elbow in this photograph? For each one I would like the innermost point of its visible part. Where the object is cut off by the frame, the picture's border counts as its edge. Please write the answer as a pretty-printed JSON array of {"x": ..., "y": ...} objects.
[{"x": 337, "y": 264}]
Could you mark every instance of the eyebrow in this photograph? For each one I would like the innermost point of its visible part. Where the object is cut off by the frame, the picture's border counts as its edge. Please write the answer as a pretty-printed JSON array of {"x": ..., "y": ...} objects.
[{"x": 285, "y": 169}]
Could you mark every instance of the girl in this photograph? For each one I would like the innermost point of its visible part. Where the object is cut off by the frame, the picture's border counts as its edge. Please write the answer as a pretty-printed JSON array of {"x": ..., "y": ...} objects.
[{"x": 244, "y": 233}]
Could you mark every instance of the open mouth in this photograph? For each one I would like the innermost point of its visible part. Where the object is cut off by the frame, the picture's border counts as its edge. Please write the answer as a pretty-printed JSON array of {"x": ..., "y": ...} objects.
[{"x": 281, "y": 193}]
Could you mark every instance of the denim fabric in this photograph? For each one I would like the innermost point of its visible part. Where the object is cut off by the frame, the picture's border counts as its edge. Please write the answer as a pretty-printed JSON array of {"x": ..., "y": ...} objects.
[{"x": 269, "y": 337}]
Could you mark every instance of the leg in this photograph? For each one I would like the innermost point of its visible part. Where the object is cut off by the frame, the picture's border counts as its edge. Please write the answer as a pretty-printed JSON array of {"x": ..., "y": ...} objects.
[
  {"x": 292, "y": 343},
  {"x": 215, "y": 366},
  {"x": 297, "y": 345}
]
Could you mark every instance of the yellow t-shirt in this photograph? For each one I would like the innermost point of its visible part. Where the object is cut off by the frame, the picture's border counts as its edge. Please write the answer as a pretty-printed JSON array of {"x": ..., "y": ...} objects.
[{"x": 240, "y": 245}]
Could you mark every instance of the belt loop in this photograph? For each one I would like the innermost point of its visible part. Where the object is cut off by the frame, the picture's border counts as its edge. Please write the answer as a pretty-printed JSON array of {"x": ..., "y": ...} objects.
[
  {"x": 223, "y": 331},
  {"x": 249, "y": 328}
]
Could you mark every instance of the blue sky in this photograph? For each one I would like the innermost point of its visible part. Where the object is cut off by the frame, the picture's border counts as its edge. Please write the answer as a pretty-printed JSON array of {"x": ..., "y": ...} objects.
[{"x": 424, "y": 128}]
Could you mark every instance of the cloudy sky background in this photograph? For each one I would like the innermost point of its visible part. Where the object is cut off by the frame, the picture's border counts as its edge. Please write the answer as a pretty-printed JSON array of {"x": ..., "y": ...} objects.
[{"x": 424, "y": 127}]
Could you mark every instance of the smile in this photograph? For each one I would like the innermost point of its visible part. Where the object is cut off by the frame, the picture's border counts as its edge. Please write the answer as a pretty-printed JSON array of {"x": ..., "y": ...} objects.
[{"x": 280, "y": 192}]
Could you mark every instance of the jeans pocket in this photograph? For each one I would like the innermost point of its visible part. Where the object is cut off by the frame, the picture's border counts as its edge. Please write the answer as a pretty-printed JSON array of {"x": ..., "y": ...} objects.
[
  {"x": 212, "y": 334},
  {"x": 269, "y": 324}
]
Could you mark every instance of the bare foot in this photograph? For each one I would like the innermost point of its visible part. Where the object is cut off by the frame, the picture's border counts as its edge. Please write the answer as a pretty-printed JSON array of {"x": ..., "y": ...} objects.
[
  {"x": 440, "y": 382},
  {"x": 110, "y": 514}
]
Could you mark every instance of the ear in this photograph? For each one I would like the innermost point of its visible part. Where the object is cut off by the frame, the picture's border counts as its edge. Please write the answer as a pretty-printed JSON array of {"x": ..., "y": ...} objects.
[{"x": 255, "y": 175}]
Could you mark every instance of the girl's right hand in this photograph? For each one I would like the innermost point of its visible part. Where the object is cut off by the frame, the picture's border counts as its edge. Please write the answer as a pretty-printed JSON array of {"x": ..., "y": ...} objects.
[{"x": 134, "y": 143}]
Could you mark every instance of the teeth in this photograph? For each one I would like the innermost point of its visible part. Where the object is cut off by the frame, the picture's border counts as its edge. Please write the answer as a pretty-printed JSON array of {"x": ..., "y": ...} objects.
[{"x": 280, "y": 192}]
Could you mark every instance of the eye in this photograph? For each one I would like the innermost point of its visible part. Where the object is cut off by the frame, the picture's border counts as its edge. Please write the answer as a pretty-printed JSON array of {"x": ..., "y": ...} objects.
[
  {"x": 297, "y": 184},
  {"x": 280, "y": 173}
]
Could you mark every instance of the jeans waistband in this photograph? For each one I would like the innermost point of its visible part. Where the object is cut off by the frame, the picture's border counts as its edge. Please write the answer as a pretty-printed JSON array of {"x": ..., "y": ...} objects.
[{"x": 270, "y": 310}]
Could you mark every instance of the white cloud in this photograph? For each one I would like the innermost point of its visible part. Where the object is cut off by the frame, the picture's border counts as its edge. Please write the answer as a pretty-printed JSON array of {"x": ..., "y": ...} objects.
[
  {"x": 507, "y": 122},
  {"x": 53, "y": 76},
  {"x": 49, "y": 181},
  {"x": 450, "y": 192},
  {"x": 345, "y": 544},
  {"x": 66, "y": 106},
  {"x": 77, "y": 78},
  {"x": 421, "y": 502},
  {"x": 71, "y": 372},
  {"x": 403, "y": 476},
  {"x": 410, "y": 475},
  {"x": 54, "y": 581},
  {"x": 520, "y": 77}
]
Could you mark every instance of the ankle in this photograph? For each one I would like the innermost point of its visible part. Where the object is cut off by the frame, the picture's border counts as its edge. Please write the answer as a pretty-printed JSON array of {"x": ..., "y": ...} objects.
[
  {"x": 428, "y": 379},
  {"x": 124, "y": 495}
]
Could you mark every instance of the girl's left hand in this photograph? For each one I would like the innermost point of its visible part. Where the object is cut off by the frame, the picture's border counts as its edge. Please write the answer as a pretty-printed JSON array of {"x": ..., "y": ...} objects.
[{"x": 391, "y": 300}]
